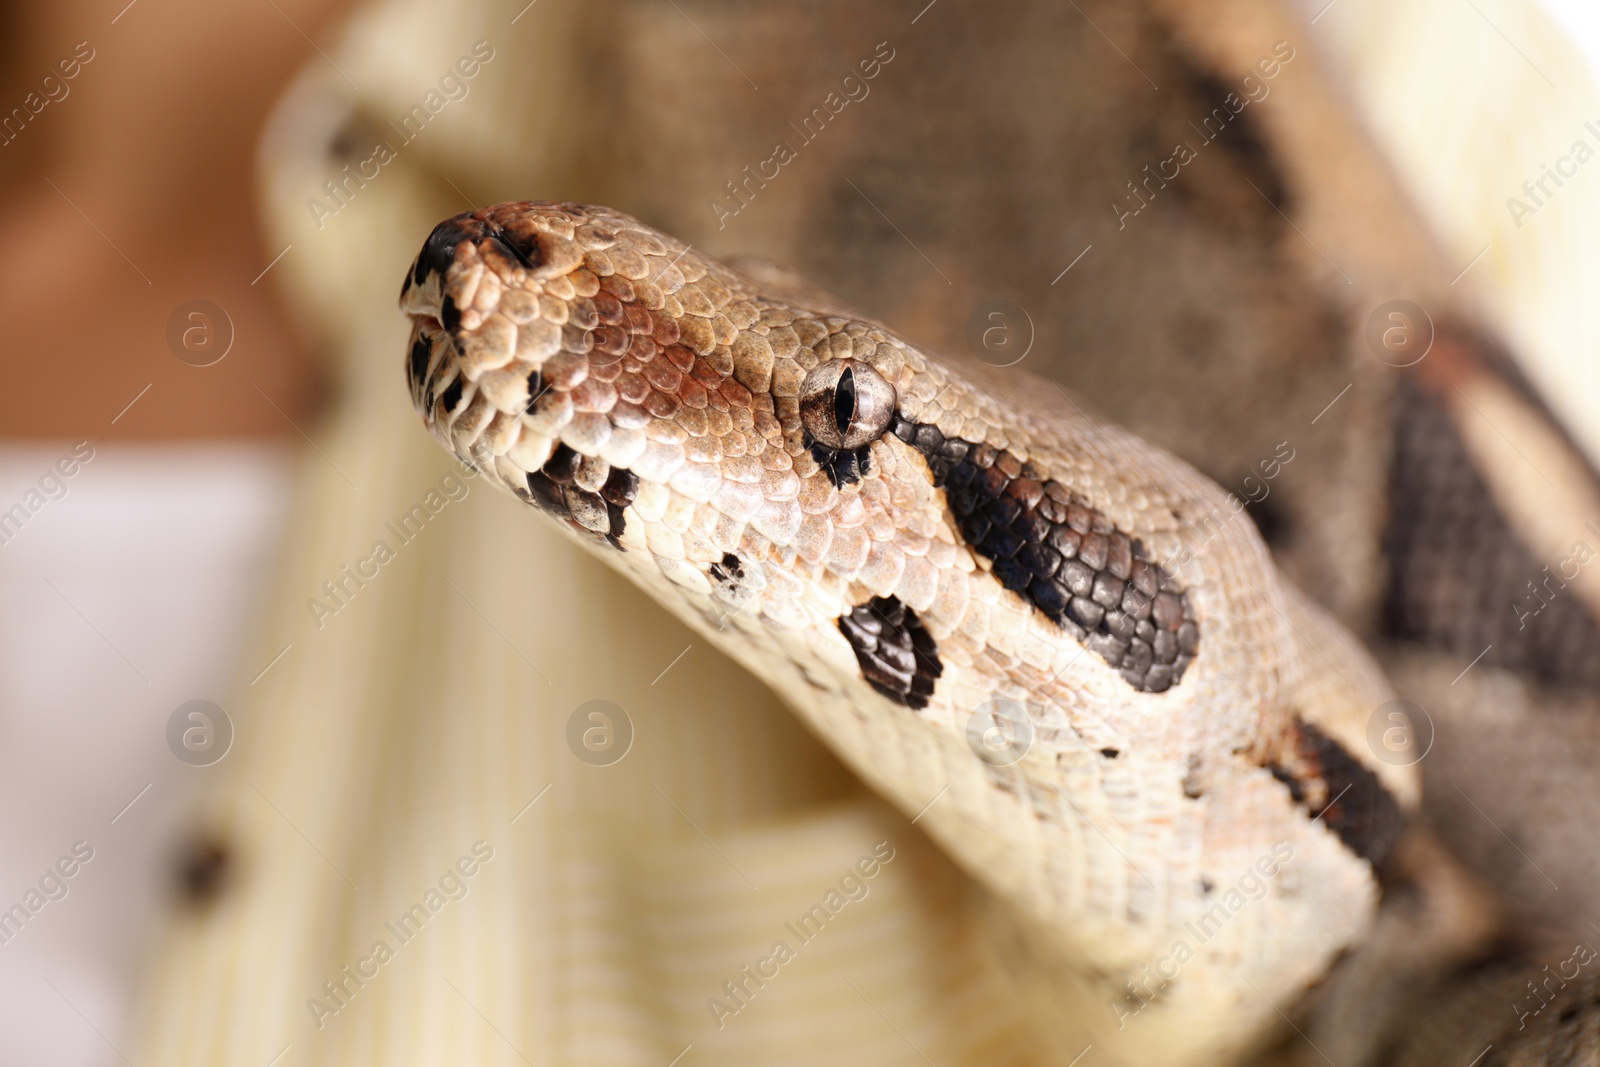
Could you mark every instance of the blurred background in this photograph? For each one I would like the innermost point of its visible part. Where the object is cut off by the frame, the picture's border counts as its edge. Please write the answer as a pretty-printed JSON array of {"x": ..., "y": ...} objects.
[{"x": 250, "y": 763}]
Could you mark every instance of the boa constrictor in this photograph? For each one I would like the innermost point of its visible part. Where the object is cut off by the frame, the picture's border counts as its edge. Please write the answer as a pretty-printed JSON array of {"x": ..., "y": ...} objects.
[{"x": 1054, "y": 645}]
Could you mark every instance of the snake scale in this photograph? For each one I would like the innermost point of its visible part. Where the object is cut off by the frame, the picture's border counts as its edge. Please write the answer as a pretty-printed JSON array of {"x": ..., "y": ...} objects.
[{"x": 1051, "y": 643}]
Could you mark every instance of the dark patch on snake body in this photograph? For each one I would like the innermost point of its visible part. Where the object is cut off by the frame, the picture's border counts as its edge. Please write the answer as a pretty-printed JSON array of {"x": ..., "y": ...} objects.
[
  {"x": 729, "y": 570},
  {"x": 843, "y": 466},
  {"x": 451, "y": 396},
  {"x": 450, "y": 315},
  {"x": 898, "y": 656},
  {"x": 423, "y": 384},
  {"x": 562, "y": 466},
  {"x": 439, "y": 250},
  {"x": 1461, "y": 579},
  {"x": 1337, "y": 788},
  {"x": 421, "y": 351},
  {"x": 622, "y": 486},
  {"x": 522, "y": 246},
  {"x": 554, "y": 489},
  {"x": 536, "y": 389},
  {"x": 1068, "y": 560},
  {"x": 1241, "y": 138},
  {"x": 518, "y": 243}
]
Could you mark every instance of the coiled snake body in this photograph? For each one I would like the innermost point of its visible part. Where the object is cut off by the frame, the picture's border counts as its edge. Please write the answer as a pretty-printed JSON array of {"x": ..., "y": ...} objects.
[{"x": 1046, "y": 640}]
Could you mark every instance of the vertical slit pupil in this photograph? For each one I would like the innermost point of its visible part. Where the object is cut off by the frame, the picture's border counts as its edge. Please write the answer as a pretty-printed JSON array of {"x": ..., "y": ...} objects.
[{"x": 844, "y": 401}]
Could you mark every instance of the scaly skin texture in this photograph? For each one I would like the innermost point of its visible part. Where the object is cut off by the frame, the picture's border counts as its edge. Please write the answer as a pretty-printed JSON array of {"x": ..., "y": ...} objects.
[{"x": 1191, "y": 842}]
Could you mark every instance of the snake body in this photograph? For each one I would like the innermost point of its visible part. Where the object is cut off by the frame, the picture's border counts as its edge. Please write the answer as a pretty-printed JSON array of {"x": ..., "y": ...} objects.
[{"x": 1047, "y": 641}]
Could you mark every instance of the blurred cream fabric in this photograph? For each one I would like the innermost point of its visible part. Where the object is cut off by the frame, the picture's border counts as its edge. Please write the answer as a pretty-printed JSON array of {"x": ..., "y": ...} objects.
[{"x": 423, "y": 724}]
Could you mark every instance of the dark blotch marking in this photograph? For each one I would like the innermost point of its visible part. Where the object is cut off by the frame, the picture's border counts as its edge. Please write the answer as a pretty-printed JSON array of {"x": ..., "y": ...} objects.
[
  {"x": 519, "y": 243},
  {"x": 203, "y": 869},
  {"x": 523, "y": 246},
  {"x": 898, "y": 656},
  {"x": 546, "y": 493},
  {"x": 451, "y": 395},
  {"x": 1050, "y": 546},
  {"x": 536, "y": 389},
  {"x": 622, "y": 486},
  {"x": 1239, "y": 135},
  {"x": 562, "y": 466},
  {"x": 1110, "y": 753},
  {"x": 421, "y": 350},
  {"x": 554, "y": 490},
  {"x": 843, "y": 466},
  {"x": 439, "y": 250},
  {"x": 1459, "y": 574},
  {"x": 1337, "y": 788},
  {"x": 449, "y": 314},
  {"x": 729, "y": 570}
]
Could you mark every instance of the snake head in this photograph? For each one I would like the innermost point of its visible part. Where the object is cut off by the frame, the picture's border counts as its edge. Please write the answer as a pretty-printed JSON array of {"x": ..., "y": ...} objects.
[
  {"x": 660, "y": 403},
  {"x": 567, "y": 348},
  {"x": 656, "y": 401},
  {"x": 917, "y": 556}
]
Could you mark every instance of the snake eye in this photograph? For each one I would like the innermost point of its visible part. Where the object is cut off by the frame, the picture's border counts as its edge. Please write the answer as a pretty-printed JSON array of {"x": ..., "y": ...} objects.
[{"x": 845, "y": 404}]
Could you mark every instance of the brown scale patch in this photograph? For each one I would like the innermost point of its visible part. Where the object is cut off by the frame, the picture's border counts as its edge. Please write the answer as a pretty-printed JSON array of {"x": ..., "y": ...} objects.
[
  {"x": 554, "y": 489},
  {"x": 1068, "y": 560},
  {"x": 898, "y": 656},
  {"x": 1335, "y": 787},
  {"x": 634, "y": 366},
  {"x": 1461, "y": 579}
]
